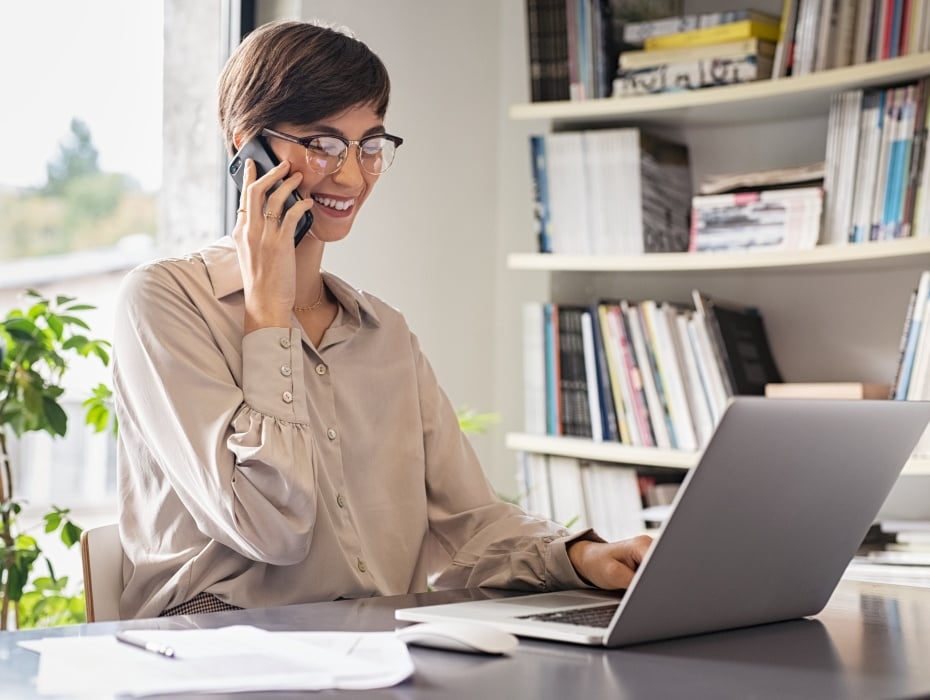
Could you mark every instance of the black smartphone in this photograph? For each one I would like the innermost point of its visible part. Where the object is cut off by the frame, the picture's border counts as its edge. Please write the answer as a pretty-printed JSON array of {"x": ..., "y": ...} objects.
[{"x": 259, "y": 151}]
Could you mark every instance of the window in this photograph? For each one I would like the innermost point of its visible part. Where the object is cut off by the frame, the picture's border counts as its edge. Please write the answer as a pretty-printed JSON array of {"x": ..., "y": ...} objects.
[{"x": 80, "y": 181}]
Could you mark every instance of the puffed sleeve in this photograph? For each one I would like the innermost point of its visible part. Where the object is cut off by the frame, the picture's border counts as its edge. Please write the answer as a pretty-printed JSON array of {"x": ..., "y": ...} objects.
[
  {"x": 490, "y": 542},
  {"x": 228, "y": 430}
]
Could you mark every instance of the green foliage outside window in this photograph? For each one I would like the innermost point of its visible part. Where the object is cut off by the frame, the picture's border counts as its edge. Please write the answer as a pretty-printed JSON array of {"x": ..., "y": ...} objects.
[{"x": 79, "y": 207}]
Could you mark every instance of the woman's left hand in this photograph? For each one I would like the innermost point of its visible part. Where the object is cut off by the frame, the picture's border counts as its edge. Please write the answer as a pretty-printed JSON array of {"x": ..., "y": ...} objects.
[{"x": 608, "y": 565}]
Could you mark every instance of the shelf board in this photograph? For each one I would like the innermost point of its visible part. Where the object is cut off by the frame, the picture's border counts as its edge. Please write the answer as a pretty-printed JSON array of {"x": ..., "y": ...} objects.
[
  {"x": 601, "y": 451},
  {"x": 637, "y": 456},
  {"x": 859, "y": 255},
  {"x": 762, "y": 100}
]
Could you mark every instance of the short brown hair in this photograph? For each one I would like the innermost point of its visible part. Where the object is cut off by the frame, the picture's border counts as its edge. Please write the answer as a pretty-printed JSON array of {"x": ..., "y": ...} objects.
[{"x": 297, "y": 72}]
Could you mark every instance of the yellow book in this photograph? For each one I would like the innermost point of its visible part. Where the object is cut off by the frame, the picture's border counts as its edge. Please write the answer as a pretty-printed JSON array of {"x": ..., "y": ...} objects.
[{"x": 734, "y": 31}]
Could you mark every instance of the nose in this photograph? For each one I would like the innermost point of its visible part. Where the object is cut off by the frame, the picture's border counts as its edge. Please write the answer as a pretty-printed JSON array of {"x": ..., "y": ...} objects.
[{"x": 351, "y": 171}]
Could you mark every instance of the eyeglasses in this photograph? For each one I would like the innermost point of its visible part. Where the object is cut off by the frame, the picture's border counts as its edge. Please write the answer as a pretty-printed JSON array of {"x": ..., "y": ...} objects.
[{"x": 326, "y": 153}]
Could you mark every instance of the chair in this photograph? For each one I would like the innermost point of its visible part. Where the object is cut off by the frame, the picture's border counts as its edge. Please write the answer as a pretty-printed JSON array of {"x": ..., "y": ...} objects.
[{"x": 102, "y": 557}]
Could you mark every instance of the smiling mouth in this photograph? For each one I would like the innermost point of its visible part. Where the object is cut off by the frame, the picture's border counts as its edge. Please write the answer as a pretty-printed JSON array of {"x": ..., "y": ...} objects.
[{"x": 339, "y": 205}]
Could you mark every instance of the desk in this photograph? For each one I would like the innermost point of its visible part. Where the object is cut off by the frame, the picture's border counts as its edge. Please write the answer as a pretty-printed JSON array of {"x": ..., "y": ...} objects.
[{"x": 872, "y": 641}]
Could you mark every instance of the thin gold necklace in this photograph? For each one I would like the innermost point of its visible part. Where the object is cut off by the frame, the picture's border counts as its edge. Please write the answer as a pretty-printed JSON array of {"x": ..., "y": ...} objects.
[{"x": 316, "y": 304}]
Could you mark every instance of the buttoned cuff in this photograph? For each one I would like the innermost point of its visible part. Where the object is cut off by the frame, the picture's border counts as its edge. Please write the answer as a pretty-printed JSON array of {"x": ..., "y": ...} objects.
[
  {"x": 272, "y": 374},
  {"x": 560, "y": 572}
]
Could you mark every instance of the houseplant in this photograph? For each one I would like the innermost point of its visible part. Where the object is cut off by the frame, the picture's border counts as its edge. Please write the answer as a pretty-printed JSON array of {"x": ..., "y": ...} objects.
[{"x": 36, "y": 346}]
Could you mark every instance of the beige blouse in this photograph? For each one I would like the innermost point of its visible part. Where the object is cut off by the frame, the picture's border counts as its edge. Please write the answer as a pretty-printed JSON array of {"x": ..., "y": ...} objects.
[{"x": 267, "y": 471}]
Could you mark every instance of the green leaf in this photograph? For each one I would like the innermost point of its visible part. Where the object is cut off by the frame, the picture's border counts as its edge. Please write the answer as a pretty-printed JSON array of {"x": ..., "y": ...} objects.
[
  {"x": 37, "y": 309},
  {"x": 52, "y": 521},
  {"x": 73, "y": 321},
  {"x": 55, "y": 415},
  {"x": 70, "y": 534},
  {"x": 57, "y": 327},
  {"x": 80, "y": 307},
  {"x": 74, "y": 342},
  {"x": 61, "y": 300}
]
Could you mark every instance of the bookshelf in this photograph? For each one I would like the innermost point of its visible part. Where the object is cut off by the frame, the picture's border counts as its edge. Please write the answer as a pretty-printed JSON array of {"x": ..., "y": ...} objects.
[{"x": 833, "y": 313}]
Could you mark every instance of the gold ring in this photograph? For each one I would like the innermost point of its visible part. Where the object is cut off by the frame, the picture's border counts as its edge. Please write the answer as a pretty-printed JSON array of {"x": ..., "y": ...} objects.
[
  {"x": 241, "y": 211},
  {"x": 274, "y": 217}
]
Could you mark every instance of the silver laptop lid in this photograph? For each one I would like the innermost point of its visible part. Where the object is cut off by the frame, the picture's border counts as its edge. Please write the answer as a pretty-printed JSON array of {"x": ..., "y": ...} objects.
[{"x": 763, "y": 528}]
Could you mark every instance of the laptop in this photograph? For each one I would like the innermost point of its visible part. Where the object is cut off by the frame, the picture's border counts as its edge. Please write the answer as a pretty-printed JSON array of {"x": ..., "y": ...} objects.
[{"x": 760, "y": 531}]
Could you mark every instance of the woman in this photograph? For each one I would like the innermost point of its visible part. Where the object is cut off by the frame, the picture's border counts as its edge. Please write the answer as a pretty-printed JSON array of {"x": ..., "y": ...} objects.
[{"x": 282, "y": 437}]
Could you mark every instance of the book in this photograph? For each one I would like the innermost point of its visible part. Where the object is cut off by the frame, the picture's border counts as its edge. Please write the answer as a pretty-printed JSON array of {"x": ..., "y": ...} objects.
[
  {"x": 553, "y": 371},
  {"x": 567, "y": 493},
  {"x": 608, "y": 410},
  {"x": 731, "y": 49},
  {"x": 592, "y": 385},
  {"x": 692, "y": 75},
  {"x": 616, "y": 192},
  {"x": 618, "y": 385},
  {"x": 539, "y": 177},
  {"x": 669, "y": 372},
  {"x": 573, "y": 383},
  {"x": 536, "y": 494},
  {"x": 803, "y": 175},
  {"x": 547, "y": 48},
  {"x": 769, "y": 219},
  {"x": 781, "y": 63},
  {"x": 636, "y": 33},
  {"x": 534, "y": 369},
  {"x": 738, "y": 332},
  {"x": 766, "y": 29},
  {"x": 828, "y": 390},
  {"x": 914, "y": 330},
  {"x": 659, "y": 420}
]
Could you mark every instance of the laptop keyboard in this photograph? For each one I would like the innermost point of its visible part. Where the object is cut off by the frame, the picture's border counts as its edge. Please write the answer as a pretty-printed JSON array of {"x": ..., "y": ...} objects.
[{"x": 597, "y": 616}]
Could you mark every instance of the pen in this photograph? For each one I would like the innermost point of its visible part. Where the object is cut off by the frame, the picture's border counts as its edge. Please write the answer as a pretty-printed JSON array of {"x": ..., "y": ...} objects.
[{"x": 155, "y": 648}]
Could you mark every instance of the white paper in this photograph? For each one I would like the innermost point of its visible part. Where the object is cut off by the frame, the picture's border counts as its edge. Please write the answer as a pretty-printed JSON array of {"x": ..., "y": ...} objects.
[{"x": 237, "y": 658}]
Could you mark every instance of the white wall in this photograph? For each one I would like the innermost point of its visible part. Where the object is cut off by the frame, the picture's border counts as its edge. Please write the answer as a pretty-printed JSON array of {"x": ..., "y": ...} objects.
[{"x": 427, "y": 240}]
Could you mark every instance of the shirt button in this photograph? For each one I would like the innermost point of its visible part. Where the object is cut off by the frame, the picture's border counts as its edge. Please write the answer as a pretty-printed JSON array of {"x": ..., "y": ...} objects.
[
  {"x": 285, "y": 342},
  {"x": 362, "y": 566},
  {"x": 340, "y": 501},
  {"x": 287, "y": 397},
  {"x": 331, "y": 433},
  {"x": 286, "y": 370},
  {"x": 321, "y": 369}
]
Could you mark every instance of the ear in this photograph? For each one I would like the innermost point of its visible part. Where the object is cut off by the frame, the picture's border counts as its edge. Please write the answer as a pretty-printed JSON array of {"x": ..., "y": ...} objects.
[{"x": 238, "y": 139}]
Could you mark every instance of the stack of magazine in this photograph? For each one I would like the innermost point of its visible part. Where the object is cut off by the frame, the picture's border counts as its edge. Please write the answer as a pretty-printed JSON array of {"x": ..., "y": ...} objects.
[
  {"x": 610, "y": 192},
  {"x": 766, "y": 210},
  {"x": 696, "y": 51}
]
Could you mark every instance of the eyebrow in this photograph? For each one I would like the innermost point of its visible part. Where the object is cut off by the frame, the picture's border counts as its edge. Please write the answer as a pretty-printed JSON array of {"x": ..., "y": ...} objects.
[{"x": 324, "y": 129}]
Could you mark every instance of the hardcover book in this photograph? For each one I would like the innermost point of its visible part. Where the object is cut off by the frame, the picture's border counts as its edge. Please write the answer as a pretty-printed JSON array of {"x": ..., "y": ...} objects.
[
  {"x": 731, "y": 49},
  {"x": 692, "y": 75},
  {"x": 738, "y": 333},
  {"x": 766, "y": 29}
]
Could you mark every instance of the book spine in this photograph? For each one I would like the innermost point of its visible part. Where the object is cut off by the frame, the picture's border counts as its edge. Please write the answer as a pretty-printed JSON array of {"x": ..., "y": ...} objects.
[
  {"x": 553, "y": 398},
  {"x": 609, "y": 426},
  {"x": 732, "y": 31},
  {"x": 634, "y": 371},
  {"x": 691, "y": 75},
  {"x": 590, "y": 373},
  {"x": 611, "y": 352},
  {"x": 540, "y": 178},
  {"x": 658, "y": 415}
]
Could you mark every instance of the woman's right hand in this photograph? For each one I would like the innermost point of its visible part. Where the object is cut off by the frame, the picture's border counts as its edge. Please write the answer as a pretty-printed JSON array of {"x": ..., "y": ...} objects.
[{"x": 265, "y": 245}]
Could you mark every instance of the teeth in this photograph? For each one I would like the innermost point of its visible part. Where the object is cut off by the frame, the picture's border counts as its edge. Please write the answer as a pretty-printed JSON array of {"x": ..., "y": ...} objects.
[{"x": 337, "y": 204}]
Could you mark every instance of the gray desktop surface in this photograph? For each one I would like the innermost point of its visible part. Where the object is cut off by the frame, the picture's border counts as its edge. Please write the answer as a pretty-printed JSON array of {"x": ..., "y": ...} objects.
[{"x": 870, "y": 642}]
